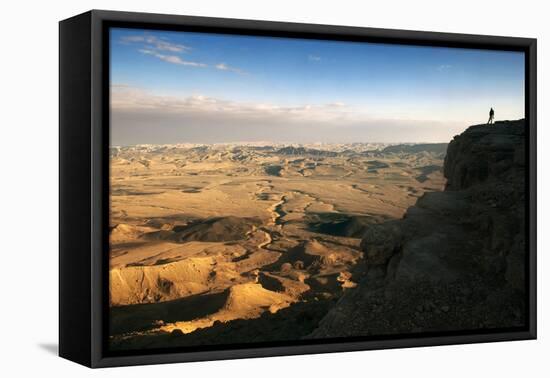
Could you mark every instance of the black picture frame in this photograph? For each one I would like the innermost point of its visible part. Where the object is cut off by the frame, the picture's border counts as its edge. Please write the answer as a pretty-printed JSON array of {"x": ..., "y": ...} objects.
[{"x": 84, "y": 175}]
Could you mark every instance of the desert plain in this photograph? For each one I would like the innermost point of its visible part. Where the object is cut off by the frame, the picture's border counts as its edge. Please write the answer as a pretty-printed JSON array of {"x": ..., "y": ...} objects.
[{"x": 208, "y": 239}]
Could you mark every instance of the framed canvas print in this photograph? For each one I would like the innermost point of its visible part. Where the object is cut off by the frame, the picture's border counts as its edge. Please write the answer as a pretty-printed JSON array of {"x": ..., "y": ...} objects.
[{"x": 234, "y": 188}]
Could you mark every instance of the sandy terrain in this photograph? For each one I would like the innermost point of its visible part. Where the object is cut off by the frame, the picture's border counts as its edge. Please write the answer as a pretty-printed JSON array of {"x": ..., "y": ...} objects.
[{"x": 208, "y": 235}]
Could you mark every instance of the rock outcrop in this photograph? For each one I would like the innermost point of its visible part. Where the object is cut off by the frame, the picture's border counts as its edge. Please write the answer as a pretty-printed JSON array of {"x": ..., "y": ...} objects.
[{"x": 456, "y": 261}]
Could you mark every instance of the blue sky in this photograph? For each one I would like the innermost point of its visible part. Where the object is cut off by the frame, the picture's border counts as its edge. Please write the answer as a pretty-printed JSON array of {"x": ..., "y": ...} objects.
[{"x": 349, "y": 90}]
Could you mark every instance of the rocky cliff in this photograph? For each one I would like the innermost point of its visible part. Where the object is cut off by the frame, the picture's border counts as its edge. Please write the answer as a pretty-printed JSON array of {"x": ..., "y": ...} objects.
[{"x": 456, "y": 259}]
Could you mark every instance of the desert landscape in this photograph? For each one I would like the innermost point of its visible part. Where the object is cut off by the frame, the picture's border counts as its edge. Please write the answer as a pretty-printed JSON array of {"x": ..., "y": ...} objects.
[
  {"x": 277, "y": 190},
  {"x": 209, "y": 234}
]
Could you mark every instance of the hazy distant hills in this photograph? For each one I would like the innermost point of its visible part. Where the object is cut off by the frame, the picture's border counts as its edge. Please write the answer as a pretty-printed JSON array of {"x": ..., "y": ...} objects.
[
  {"x": 438, "y": 148},
  {"x": 305, "y": 151},
  {"x": 312, "y": 150}
]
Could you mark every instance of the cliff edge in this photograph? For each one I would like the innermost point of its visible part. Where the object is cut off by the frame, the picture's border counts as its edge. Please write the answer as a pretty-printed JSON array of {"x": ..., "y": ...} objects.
[{"x": 456, "y": 261}]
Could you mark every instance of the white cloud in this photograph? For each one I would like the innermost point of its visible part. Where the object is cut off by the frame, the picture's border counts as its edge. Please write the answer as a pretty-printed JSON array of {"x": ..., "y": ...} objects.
[
  {"x": 336, "y": 104},
  {"x": 130, "y": 98},
  {"x": 222, "y": 66},
  {"x": 225, "y": 67},
  {"x": 156, "y": 43},
  {"x": 174, "y": 59},
  {"x": 314, "y": 58},
  {"x": 167, "y": 51},
  {"x": 139, "y": 116},
  {"x": 444, "y": 67}
]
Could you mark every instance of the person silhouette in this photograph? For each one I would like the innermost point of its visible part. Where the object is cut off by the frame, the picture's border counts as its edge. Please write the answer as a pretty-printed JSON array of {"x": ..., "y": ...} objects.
[{"x": 491, "y": 116}]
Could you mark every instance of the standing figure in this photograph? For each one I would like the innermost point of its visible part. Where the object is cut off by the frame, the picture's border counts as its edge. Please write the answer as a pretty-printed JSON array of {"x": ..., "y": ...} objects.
[{"x": 491, "y": 116}]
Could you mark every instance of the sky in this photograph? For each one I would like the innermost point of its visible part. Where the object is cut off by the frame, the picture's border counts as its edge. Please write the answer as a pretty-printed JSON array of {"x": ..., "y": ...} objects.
[{"x": 182, "y": 87}]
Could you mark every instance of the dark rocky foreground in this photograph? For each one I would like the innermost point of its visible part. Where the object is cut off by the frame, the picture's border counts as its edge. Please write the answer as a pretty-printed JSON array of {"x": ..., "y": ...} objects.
[{"x": 456, "y": 261}]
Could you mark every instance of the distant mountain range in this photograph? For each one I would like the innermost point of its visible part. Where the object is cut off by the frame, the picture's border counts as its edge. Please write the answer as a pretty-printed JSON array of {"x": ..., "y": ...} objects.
[
  {"x": 315, "y": 149},
  {"x": 437, "y": 148}
]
